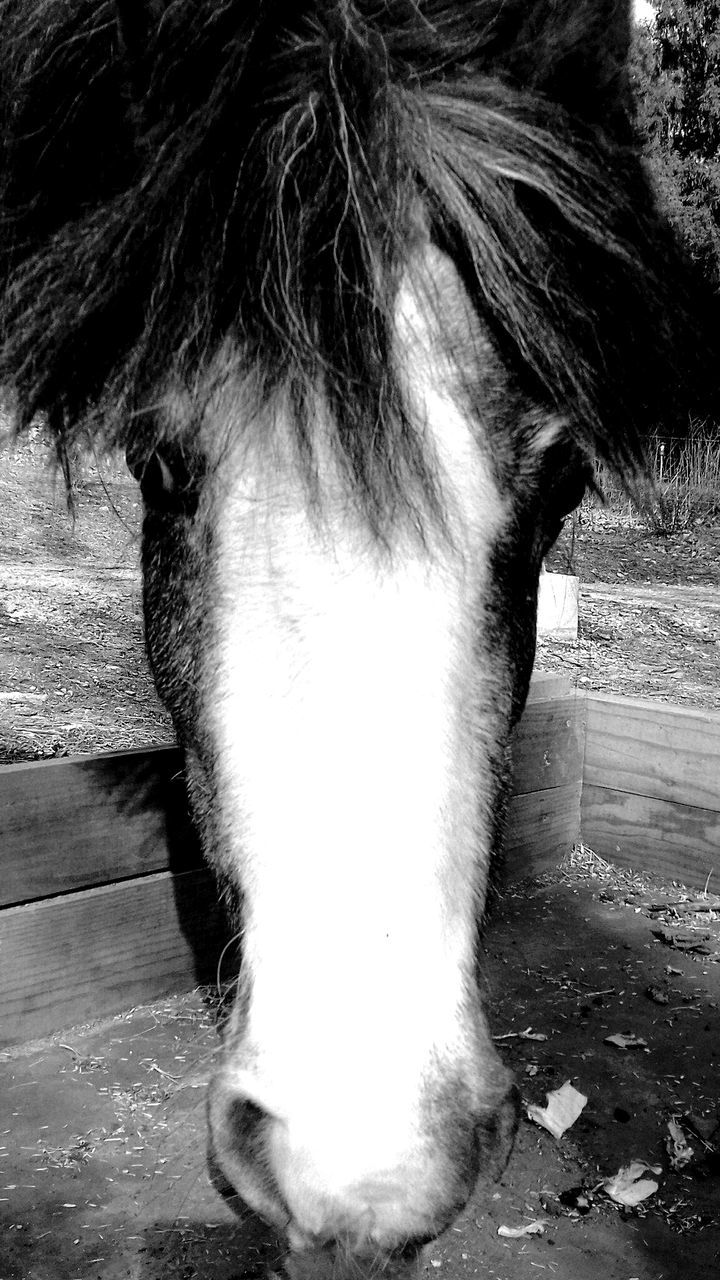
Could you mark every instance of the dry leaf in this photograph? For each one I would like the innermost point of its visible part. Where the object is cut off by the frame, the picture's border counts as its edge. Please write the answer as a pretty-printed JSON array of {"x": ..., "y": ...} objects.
[
  {"x": 629, "y": 1187},
  {"x": 626, "y": 1042},
  {"x": 531, "y": 1229},
  {"x": 678, "y": 1147},
  {"x": 564, "y": 1105}
]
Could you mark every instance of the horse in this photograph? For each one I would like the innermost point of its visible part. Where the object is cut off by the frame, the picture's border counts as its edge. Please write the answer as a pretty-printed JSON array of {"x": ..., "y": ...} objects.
[{"x": 362, "y": 287}]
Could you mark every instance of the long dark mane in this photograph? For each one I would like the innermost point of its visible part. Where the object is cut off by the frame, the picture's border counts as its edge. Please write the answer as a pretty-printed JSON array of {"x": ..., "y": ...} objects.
[{"x": 253, "y": 170}]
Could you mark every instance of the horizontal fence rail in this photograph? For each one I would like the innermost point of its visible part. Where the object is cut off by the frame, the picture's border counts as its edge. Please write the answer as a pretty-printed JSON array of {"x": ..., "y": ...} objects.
[{"x": 105, "y": 901}]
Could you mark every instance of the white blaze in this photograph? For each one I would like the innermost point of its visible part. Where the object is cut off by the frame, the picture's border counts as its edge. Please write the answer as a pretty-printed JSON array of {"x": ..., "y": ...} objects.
[{"x": 348, "y": 758}]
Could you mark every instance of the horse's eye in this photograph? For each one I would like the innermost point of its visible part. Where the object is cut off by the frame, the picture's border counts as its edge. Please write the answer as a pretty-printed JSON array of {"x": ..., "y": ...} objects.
[
  {"x": 564, "y": 493},
  {"x": 169, "y": 482},
  {"x": 570, "y": 491}
]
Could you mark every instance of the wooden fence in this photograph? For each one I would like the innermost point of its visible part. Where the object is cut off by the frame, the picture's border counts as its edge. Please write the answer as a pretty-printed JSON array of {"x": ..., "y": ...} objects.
[
  {"x": 651, "y": 788},
  {"x": 105, "y": 903}
]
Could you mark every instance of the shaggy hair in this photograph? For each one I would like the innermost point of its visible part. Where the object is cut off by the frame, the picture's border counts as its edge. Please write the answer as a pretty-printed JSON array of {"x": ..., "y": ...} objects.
[{"x": 190, "y": 172}]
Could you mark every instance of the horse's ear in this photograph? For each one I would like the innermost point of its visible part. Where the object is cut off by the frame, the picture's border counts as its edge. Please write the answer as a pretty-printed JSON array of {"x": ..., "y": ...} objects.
[{"x": 573, "y": 51}]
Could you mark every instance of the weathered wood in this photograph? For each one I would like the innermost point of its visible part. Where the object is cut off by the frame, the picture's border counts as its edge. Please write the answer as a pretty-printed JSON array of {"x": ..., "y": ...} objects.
[
  {"x": 548, "y": 684},
  {"x": 91, "y": 820},
  {"x": 70, "y": 824},
  {"x": 542, "y": 827},
  {"x": 105, "y": 832},
  {"x": 547, "y": 749},
  {"x": 648, "y": 749},
  {"x": 675, "y": 841},
  {"x": 85, "y": 955},
  {"x": 88, "y": 843}
]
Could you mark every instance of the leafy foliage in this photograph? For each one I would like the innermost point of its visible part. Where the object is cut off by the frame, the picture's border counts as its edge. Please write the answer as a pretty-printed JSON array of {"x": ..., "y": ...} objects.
[{"x": 677, "y": 83}]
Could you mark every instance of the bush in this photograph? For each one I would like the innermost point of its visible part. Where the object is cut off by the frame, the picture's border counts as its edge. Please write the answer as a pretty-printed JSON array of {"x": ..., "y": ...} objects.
[{"x": 683, "y": 490}]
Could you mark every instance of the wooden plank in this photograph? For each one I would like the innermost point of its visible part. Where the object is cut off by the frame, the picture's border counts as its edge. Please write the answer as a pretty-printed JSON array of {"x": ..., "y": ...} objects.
[
  {"x": 93, "y": 936},
  {"x": 70, "y": 824},
  {"x": 82, "y": 956},
  {"x": 548, "y": 684},
  {"x": 668, "y": 753},
  {"x": 675, "y": 841},
  {"x": 85, "y": 955},
  {"x": 542, "y": 827},
  {"x": 547, "y": 748}
]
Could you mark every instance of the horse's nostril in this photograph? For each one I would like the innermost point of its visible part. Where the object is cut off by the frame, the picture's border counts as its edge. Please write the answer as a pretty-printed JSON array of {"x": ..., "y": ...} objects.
[
  {"x": 239, "y": 1131},
  {"x": 246, "y": 1122},
  {"x": 496, "y": 1136},
  {"x": 244, "y": 1132}
]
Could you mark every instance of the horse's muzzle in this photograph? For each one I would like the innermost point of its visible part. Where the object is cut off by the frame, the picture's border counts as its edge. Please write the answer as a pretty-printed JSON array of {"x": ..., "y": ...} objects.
[{"x": 383, "y": 1215}]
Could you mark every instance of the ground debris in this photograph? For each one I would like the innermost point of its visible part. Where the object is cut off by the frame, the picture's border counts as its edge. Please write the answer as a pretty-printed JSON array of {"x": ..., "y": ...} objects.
[
  {"x": 564, "y": 1105},
  {"x": 577, "y": 1201},
  {"x": 528, "y": 1034},
  {"x": 679, "y": 1151},
  {"x": 536, "y": 1228},
  {"x": 688, "y": 906},
  {"x": 629, "y": 1186},
  {"x": 704, "y": 1126},
  {"x": 626, "y": 1041},
  {"x": 692, "y": 942}
]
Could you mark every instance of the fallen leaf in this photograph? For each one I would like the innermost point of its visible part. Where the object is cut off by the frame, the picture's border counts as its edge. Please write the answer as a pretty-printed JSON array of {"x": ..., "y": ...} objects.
[
  {"x": 677, "y": 1145},
  {"x": 629, "y": 1187},
  {"x": 564, "y": 1105},
  {"x": 532, "y": 1229},
  {"x": 626, "y": 1042}
]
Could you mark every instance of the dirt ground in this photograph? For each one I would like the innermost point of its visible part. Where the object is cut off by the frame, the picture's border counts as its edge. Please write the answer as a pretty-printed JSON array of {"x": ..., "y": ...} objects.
[
  {"x": 73, "y": 672},
  {"x": 103, "y": 1173},
  {"x": 103, "y": 1170},
  {"x": 649, "y": 611}
]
